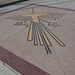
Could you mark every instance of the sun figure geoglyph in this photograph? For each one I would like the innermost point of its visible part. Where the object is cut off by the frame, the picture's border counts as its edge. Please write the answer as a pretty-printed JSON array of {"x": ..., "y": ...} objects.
[{"x": 38, "y": 30}]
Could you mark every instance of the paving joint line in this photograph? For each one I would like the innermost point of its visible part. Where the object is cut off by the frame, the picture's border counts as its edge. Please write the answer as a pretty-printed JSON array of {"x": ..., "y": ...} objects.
[
  {"x": 59, "y": 60},
  {"x": 11, "y": 35}
]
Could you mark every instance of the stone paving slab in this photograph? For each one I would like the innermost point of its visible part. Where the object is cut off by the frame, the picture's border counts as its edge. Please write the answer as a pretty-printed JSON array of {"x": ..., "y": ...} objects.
[
  {"x": 55, "y": 3},
  {"x": 14, "y": 38},
  {"x": 7, "y": 70}
]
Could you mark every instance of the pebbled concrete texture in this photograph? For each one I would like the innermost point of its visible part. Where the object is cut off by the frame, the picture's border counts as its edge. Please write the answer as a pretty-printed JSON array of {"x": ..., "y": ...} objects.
[
  {"x": 61, "y": 61},
  {"x": 14, "y": 38}
]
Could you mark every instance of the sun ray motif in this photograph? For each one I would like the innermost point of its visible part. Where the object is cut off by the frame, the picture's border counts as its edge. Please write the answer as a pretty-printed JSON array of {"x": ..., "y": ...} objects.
[{"x": 38, "y": 32}]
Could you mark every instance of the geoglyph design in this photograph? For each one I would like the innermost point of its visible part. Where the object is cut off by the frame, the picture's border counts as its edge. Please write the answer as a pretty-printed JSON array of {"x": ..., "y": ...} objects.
[{"x": 38, "y": 30}]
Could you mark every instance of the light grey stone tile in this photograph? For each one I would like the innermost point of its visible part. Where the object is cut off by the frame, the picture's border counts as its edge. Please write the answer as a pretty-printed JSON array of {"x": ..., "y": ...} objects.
[{"x": 7, "y": 70}]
